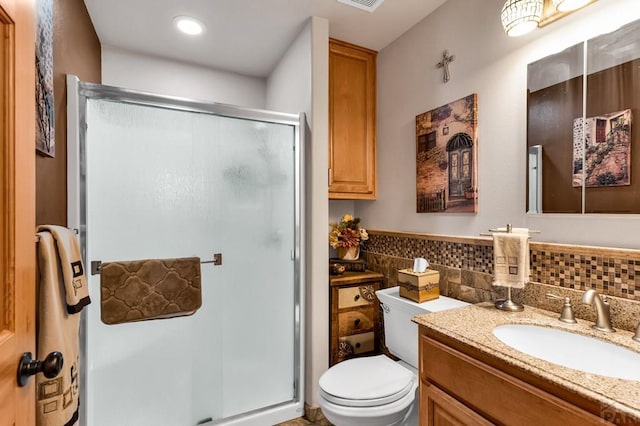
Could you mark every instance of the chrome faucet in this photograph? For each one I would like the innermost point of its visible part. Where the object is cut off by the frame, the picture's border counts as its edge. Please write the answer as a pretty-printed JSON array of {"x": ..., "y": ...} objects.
[{"x": 603, "y": 315}]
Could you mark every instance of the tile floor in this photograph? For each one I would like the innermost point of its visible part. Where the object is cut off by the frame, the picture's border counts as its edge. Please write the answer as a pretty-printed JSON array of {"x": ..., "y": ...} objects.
[{"x": 301, "y": 421}]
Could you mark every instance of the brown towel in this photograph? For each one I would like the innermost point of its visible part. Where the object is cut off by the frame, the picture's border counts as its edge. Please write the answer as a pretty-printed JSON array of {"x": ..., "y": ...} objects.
[
  {"x": 149, "y": 289},
  {"x": 62, "y": 294}
]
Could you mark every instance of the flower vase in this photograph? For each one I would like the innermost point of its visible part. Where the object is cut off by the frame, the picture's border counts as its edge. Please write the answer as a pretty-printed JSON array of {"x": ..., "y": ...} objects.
[{"x": 349, "y": 253}]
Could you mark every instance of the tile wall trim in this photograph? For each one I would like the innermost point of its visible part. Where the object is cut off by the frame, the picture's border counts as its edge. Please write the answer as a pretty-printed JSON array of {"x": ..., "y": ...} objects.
[{"x": 437, "y": 237}]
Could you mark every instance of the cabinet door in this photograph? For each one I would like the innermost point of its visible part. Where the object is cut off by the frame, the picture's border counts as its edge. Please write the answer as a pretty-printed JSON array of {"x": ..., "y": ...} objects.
[
  {"x": 439, "y": 409},
  {"x": 352, "y": 127}
]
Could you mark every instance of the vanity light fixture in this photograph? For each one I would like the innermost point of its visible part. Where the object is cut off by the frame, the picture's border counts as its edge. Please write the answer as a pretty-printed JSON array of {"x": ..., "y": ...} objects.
[
  {"x": 188, "y": 25},
  {"x": 569, "y": 5},
  {"x": 521, "y": 16}
]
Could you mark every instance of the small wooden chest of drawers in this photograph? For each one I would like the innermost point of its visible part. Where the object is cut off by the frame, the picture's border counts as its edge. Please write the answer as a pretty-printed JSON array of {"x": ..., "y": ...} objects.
[{"x": 354, "y": 315}]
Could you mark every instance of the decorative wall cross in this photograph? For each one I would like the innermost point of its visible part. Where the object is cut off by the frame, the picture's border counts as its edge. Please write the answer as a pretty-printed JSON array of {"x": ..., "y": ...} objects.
[{"x": 446, "y": 60}]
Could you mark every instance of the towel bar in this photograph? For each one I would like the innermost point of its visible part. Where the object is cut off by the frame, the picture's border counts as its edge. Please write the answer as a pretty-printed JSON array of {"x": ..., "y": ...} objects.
[
  {"x": 484, "y": 234},
  {"x": 507, "y": 229},
  {"x": 96, "y": 265}
]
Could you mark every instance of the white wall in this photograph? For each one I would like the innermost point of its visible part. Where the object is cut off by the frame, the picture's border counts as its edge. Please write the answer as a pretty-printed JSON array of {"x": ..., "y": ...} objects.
[
  {"x": 289, "y": 84},
  {"x": 131, "y": 70},
  {"x": 495, "y": 67},
  {"x": 300, "y": 82}
]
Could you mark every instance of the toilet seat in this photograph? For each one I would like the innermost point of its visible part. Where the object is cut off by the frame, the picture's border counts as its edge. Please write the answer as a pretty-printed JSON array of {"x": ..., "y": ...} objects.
[
  {"x": 366, "y": 382},
  {"x": 367, "y": 402}
]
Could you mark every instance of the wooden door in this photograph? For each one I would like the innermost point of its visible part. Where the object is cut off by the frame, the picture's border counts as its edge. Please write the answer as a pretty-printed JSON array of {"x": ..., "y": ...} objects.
[
  {"x": 17, "y": 228},
  {"x": 460, "y": 169}
]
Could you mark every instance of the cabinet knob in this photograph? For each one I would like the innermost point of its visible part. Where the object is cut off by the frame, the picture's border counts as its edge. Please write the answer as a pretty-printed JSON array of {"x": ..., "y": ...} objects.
[
  {"x": 356, "y": 322},
  {"x": 358, "y": 345},
  {"x": 356, "y": 298}
]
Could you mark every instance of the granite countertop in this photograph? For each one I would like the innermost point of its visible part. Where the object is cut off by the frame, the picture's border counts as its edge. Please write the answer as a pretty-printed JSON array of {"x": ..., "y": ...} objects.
[{"x": 472, "y": 325}]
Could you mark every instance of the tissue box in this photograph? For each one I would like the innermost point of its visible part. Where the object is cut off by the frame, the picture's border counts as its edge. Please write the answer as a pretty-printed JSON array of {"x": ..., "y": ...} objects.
[{"x": 419, "y": 286}]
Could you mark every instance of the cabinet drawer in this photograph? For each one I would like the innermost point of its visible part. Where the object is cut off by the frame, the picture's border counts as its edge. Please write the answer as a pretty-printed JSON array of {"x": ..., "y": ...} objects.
[
  {"x": 504, "y": 399},
  {"x": 356, "y": 296},
  {"x": 355, "y": 321},
  {"x": 359, "y": 343},
  {"x": 439, "y": 408}
]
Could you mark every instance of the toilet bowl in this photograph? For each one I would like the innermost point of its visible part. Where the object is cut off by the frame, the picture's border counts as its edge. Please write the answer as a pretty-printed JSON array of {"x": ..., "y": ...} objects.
[
  {"x": 372, "y": 391},
  {"x": 376, "y": 390}
]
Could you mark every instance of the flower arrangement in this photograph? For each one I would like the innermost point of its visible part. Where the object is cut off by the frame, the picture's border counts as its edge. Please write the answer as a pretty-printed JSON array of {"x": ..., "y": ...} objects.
[{"x": 348, "y": 233}]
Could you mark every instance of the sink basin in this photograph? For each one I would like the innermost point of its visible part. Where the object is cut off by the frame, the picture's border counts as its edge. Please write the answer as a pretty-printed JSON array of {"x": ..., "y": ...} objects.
[{"x": 571, "y": 350}]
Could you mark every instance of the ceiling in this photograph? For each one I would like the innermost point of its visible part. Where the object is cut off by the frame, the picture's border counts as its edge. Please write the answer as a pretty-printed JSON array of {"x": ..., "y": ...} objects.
[{"x": 245, "y": 36}]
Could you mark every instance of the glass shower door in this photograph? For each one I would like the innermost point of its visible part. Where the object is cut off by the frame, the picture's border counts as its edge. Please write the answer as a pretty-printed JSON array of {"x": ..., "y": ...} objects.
[{"x": 162, "y": 183}]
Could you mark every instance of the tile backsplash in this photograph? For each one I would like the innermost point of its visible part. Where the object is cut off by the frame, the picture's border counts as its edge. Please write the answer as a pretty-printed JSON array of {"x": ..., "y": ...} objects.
[{"x": 466, "y": 268}]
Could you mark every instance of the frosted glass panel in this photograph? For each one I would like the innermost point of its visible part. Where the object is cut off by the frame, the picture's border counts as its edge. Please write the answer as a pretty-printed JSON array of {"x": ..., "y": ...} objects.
[{"x": 163, "y": 183}]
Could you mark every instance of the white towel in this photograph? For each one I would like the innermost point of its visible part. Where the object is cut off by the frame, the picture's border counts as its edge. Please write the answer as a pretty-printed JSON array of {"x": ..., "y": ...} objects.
[
  {"x": 511, "y": 258},
  {"x": 61, "y": 296}
]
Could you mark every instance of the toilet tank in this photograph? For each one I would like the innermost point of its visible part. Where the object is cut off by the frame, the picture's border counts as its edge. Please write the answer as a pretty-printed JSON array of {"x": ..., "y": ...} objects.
[{"x": 401, "y": 334}]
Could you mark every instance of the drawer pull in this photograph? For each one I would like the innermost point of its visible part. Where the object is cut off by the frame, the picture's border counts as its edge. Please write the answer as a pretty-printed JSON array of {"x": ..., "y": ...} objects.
[
  {"x": 356, "y": 298},
  {"x": 356, "y": 322},
  {"x": 358, "y": 345}
]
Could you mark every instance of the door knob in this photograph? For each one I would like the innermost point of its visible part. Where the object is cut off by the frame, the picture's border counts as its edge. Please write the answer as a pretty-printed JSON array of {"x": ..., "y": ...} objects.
[{"x": 50, "y": 367}]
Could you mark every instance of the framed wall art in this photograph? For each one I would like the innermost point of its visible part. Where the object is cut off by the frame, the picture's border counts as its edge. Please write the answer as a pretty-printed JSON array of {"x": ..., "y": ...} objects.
[
  {"x": 45, "y": 117},
  {"x": 446, "y": 158}
]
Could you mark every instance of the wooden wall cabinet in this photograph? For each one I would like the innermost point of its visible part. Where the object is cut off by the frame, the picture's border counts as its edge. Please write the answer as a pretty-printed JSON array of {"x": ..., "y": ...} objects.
[
  {"x": 459, "y": 389},
  {"x": 354, "y": 315},
  {"x": 352, "y": 122}
]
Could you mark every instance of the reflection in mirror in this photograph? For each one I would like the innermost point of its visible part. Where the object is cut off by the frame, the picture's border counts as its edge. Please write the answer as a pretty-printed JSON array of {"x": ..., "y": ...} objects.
[
  {"x": 554, "y": 86},
  {"x": 612, "y": 151},
  {"x": 535, "y": 179},
  {"x": 585, "y": 135}
]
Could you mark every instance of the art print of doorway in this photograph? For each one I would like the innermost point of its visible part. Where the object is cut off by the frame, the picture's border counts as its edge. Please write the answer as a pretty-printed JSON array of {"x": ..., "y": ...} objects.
[{"x": 446, "y": 158}]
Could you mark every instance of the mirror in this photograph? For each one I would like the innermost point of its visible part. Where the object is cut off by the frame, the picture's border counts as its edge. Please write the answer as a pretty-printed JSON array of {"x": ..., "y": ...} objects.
[{"x": 580, "y": 144}]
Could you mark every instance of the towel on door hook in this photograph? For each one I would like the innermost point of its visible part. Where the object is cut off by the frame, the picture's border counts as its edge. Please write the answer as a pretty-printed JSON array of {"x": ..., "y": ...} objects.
[
  {"x": 62, "y": 293},
  {"x": 148, "y": 289},
  {"x": 511, "y": 258}
]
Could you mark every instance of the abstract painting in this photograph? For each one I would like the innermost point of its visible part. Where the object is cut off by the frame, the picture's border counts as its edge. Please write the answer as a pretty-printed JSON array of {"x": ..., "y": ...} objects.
[
  {"x": 45, "y": 120},
  {"x": 446, "y": 158},
  {"x": 603, "y": 144}
]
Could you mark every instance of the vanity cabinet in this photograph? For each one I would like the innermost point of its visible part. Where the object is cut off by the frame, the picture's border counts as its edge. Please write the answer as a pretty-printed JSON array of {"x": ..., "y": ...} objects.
[
  {"x": 354, "y": 315},
  {"x": 352, "y": 121},
  {"x": 460, "y": 387}
]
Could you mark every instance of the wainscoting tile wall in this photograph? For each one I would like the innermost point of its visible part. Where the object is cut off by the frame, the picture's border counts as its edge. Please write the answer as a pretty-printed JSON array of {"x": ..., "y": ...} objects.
[{"x": 466, "y": 268}]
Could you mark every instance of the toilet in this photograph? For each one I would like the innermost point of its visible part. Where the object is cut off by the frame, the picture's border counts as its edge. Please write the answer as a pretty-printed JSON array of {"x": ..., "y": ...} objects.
[{"x": 376, "y": 390}]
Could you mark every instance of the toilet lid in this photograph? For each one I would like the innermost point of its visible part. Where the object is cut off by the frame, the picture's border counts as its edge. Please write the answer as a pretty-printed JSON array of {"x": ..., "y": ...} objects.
[{"x": 366, "y": 382}]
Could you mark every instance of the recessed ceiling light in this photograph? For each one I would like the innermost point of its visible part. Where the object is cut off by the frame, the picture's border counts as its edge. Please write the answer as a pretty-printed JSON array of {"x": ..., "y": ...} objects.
[{"x": 189, "y": 25}]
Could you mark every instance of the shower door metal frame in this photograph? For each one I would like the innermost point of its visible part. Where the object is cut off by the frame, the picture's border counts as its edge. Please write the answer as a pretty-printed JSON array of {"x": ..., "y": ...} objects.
[{"x": 77, "y": 95}]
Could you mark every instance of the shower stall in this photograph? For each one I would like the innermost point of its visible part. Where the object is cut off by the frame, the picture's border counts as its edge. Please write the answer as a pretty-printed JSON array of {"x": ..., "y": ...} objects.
[{"x": 156, "y": 177}]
